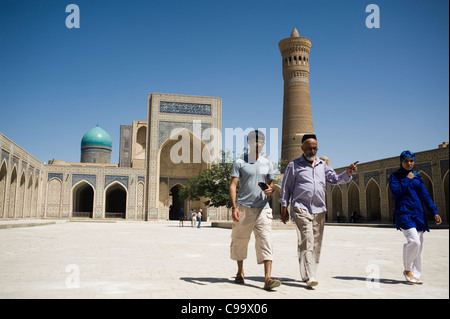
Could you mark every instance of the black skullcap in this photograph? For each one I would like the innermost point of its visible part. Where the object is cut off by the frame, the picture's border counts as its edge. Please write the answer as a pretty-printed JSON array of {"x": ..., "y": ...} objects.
[{"x": 308, "y": 136}]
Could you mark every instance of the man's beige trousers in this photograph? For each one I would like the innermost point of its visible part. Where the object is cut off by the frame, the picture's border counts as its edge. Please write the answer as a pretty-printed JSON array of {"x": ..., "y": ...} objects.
[
  {"x": 255, "y": 220},
  {"x": 309, "y": 233}
]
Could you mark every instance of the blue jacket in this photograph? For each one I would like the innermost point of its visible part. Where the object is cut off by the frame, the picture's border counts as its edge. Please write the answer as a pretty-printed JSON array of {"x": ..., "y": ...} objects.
[{"x": 409, "y": 194}]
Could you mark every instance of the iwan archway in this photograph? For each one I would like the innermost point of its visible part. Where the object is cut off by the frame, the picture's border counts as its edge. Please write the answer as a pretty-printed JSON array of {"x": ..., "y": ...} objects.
[
  {"x": 115, "y": 201},
  {"x": 182, "y": 156},
  {"x": 176, "y": 204},
  {"x": 83, "y": 200}
]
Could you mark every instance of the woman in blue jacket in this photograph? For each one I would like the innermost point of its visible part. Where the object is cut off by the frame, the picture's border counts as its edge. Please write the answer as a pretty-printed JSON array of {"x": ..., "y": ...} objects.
[{"x": 409, "y": 193}]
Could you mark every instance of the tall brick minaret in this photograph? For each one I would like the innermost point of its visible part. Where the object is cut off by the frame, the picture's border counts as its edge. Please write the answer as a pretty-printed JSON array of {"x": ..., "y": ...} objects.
[{"x": 297, "y": 114}]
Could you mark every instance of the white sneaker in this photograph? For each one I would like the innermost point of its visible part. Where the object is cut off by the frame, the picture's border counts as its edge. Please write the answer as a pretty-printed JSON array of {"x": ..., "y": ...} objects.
[{"x": 311, "y": 282}]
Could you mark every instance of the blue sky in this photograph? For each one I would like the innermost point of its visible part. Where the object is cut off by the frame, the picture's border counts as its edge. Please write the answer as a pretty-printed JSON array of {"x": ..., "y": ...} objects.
[{"x": 374, "y": 92}]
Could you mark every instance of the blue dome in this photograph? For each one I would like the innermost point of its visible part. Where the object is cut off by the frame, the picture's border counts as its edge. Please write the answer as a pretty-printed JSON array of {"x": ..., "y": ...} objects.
[{"x": 96, "y": 137}]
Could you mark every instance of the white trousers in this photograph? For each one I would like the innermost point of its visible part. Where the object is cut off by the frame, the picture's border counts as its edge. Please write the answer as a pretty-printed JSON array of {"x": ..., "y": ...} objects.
[{"x": 412, "y": 251}]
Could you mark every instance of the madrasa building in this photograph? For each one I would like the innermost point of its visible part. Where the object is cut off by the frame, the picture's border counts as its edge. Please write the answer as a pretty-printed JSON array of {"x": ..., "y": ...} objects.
[{"x": 145, "y": 184}]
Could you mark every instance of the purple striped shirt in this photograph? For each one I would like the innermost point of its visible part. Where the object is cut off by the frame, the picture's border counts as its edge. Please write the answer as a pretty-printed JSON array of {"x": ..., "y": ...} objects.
[{"x": 303, "y": 186}]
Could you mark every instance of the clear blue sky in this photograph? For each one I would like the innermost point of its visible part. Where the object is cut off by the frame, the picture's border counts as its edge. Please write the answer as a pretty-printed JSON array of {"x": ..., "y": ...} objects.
[{"x": 374, "y": 92}]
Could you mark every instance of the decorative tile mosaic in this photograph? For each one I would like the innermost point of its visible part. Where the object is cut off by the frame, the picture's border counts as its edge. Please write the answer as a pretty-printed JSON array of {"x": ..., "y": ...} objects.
[
  {"x": 92, "y": 179},
  {"x": 184, "y": 108},
  {"x": 166, "y": 128},
  {"x": 444, "y": 167},
  {"x": 374, "y": 174},
  {"x": 113, "y": 178},
  {"x": 55, "y": 175}
]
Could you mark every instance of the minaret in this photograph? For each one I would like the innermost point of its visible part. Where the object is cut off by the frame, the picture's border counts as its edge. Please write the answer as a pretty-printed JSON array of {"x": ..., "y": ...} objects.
[{"x": 297, "y": 115}]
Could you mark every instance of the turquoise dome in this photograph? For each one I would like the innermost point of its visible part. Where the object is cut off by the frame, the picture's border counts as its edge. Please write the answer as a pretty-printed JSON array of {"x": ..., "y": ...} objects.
[{"x": 96, "y": 137}]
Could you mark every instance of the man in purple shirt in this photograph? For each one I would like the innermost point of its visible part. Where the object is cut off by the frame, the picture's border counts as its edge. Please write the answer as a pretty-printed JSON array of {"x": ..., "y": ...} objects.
[{"x": 303, "y": 187}]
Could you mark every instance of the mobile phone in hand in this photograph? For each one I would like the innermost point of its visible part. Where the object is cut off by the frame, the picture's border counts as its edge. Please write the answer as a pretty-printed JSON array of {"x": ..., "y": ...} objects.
[{"x": 263, "y": 186}]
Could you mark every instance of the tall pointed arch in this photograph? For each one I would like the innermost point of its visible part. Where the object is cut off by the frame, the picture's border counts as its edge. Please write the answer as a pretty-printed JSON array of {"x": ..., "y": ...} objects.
[
  {"x": 116, "y": 200},
  {"x": 353, "y": 200},
  {"x": 182, "y": 156},
  {"x": 54, "y": 197},
  {"x": 83, "y": 195},
  {"x": 336, "y": 195},
  {"x": 373, "y": 203},
  {"x": 3, "y": 175},
  {"x": 427, "y": 181}
]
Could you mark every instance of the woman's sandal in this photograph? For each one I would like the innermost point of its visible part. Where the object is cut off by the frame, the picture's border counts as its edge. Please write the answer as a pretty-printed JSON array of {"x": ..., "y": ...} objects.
[{"x": 412, "y": 280}]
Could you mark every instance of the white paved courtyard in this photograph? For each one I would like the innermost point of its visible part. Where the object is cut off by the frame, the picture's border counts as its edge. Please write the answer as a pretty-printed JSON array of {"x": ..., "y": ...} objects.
[{"x": 161, "y": 260}]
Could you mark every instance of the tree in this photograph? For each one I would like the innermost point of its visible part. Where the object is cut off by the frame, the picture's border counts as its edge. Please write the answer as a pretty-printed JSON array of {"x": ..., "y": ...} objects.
[
  {"x": 281, "y": 165},
  {"x": 212, "y": 183}
]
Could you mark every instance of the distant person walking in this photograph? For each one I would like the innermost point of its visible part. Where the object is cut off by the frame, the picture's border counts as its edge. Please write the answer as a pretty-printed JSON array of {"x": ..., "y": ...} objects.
[
  {"x": 410, "y": 194},
  {"x": 181, "y": 217},
  {"x": 354, "y": 216},
  {"x": 191, "y": 216},
  {"x": 199, "y": 218},
  {"x": 194, "y": 219}
]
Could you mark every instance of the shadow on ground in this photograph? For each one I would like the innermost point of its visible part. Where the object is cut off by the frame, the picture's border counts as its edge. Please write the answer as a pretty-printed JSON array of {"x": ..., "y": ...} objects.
[{"x": 252, "y": 281}]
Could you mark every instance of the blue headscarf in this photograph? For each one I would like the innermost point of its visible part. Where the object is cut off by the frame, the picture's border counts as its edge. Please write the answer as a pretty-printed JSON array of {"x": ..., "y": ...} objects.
[{"x": 407, "y": 154}]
